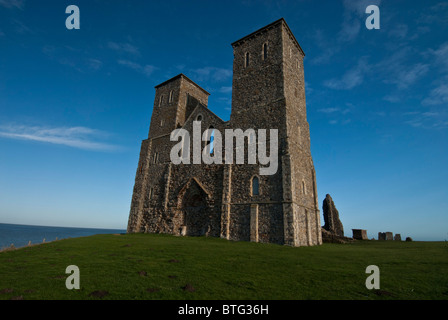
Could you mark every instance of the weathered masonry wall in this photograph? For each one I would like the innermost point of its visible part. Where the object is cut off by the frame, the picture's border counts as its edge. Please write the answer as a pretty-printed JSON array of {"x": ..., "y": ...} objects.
[{"x": 223, "y": 200}]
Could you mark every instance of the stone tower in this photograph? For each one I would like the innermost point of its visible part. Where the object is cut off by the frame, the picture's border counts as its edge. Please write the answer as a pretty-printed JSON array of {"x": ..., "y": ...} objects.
[
  {"x": 175, "y": 100},
  {"x": 269, "y": 92},
  {"x": 233, "y": 200}
]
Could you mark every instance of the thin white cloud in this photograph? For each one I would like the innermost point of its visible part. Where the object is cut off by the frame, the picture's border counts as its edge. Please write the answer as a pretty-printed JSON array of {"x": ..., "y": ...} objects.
[
  {"x": 349, "y": 30},
  {"x": 358, "y": 7},
  {"x": 225, "y": 89},
  {"x": 352, "y": 78},
  {"x": 427, "y": 119},
  {"x": 437, "y": 14},
  {"x": 392, "y": 98},
  {"x": 76, "y": 137},
  {"x": 328, "y": 110},
  {"x": 327, "y": 48},
  {"x": 212, "y": 73},
  {"x": 95, "y": 64},
  {"x": 438, "y": 95},
  {"x": 416, "y": 123},
  {"x": 353, "y": 18},
  {"x": 430, "y": 114},
  {"x": 398, "y": 69},
  {"x": 399, "y": 31},
  {"x": 21, "y": 28},
  {"x": 124, "y": 48},
  {"x": 441, "y": 55},
  {"x": 18, "y": 4},
  {"x": 147, "y": 70},
  {"x": 407, "y": 76}
]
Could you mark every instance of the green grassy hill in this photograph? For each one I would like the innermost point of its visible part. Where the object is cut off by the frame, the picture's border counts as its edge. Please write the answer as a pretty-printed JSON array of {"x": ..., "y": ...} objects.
[{"x": 143, "y": 266}]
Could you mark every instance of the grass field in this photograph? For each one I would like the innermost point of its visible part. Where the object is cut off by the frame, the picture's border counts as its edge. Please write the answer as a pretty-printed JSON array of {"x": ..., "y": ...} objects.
[{"x": 143, "y": 266}]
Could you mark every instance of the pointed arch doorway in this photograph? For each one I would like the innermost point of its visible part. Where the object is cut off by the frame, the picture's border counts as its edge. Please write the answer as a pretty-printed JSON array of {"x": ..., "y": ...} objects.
[{"x": 194, "y": 207}]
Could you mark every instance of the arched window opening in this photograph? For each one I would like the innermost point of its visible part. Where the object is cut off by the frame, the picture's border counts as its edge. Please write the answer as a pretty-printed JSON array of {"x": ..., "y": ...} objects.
[
  {"x": 156, "y": 158},
  {"x": 255, "y": 186},
  {"x": 265, "y": 51},
  {"x": 212, "y": 139},
  {"x": 161, "y": 100}
]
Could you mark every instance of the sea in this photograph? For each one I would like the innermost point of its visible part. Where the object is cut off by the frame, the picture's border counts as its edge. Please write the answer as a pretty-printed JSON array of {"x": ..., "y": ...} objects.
[{"x": 21, "y": 235}]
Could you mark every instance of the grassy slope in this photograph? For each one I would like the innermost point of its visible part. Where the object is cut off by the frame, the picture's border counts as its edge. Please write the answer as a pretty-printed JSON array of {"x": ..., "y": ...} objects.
[{"x": 220, "y": 269}]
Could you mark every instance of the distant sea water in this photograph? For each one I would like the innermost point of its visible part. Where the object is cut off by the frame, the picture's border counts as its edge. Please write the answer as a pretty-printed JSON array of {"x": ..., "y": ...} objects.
[{"x": 21, "y": 235}]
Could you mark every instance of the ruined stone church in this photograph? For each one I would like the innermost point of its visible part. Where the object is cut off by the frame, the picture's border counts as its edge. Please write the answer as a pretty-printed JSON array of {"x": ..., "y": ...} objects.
[{"x": 233, "y": 201}]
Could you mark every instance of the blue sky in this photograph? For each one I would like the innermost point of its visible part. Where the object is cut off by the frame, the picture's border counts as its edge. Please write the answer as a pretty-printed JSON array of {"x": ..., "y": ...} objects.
[{"x": 75, "y": 104}]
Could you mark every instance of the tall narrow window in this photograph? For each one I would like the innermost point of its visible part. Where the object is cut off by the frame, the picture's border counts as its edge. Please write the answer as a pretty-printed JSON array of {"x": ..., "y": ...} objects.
[
  {"x": 247, "y": 61},
  {"x": 265, "y": 51},
  {"x": 171, "y": 97},
  {"x": 160, "y": 100},
  {"x": 212, "y": 139},
  {"x": 255, "y": 186},
  {"x": 303, "y": 187},
  {"x": 151, "y": 193}
]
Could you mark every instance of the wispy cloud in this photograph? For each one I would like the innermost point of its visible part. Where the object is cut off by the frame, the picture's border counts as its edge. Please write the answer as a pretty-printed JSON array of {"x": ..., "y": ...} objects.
[
  {"x": 76, "y": 137},
  {"x": 225, "y": 89},
  {"x": 392, "y": 98},
  {"x": 349, "y": 30},
  {"x": 18, "y": 4},
  {"x": 400, "y": 31},
  {"x": 327, "y": 48},
  {"x": 438, "y": 95},
  {"x": 399, "y": 69},
  {"x": 212, "y": 74},
  {"x": 437, "y": 14},
  {"x": 73, "y": 58},
  {"x": 427, "y": 119},
  {"x": 406, "y": 76},
  {"x": 147, "y": 70},
  {"x": 351, "y": 79},
  {"x": 94, "y": 64},
  {"x": 353, "y": 15},
  {"x": 440, "y": 55},
  {"x": 21, "y": 28},
  {"x": 328, "y": 110},
  {"x": 124, "y": 48}
]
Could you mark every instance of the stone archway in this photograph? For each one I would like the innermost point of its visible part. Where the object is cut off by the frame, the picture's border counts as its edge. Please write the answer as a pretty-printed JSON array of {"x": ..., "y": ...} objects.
[{"x": 194, "y": 206}]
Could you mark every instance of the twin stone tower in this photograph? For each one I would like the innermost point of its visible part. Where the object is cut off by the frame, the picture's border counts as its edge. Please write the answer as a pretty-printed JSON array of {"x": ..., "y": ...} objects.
[{"x": 233, "y": 201}]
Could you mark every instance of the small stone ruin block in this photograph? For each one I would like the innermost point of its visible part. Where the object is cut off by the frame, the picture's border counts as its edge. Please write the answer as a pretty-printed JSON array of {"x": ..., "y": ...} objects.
[{"x": 359, "y": 234}]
